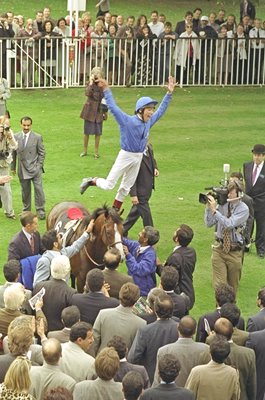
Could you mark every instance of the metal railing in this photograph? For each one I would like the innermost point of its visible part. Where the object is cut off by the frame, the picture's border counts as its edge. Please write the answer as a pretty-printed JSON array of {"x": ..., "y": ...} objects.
[{"x": 67, "y": 62}]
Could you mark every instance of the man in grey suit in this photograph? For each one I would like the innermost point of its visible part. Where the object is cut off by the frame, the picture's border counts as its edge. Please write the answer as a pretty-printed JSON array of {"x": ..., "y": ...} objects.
[
  {"x": 29, "y": 158},
  {"x": 187, "y": 351},
  {"x": 256, "y": 342},
  {"x": 120, "y": 320},
  {"x": 257, "y": 322},
  {"x": 49, "y": 375}
]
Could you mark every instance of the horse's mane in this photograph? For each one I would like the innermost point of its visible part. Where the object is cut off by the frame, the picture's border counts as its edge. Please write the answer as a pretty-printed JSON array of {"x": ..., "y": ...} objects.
[{"x": 107, "y": 211}]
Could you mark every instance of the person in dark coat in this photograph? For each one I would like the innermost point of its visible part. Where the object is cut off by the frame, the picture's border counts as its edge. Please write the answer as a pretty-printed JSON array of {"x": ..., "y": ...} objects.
[
  {"x": 141, "y": 192},
  {"x": 93, "y": 112}
]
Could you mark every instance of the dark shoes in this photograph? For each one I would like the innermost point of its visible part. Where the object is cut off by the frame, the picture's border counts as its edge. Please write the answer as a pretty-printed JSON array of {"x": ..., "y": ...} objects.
[
  {"x": 85, "y": 184},
  {"x": 42, "y": 217},
  {"x": 261, "y": 255}
]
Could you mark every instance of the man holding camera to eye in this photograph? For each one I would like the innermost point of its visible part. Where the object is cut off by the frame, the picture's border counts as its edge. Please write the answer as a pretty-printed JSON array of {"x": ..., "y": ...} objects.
[
  {"x": 7, "y": 145},
  {"x": 230, "y": 220}
]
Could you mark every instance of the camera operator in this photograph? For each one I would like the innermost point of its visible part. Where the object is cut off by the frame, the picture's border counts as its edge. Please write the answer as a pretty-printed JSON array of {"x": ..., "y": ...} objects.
[
  {"x": 229, "y": 220},
  {"x": 7, "y": 144}
]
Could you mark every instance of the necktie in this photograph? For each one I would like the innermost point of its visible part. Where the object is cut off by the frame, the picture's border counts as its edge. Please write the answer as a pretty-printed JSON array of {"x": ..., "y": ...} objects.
[
  {"x": 32, "y": 243},
  {"x": 254, "y": 174},
  {"x": 24, "y": 140},
  {"x": 226, "y": 235}
]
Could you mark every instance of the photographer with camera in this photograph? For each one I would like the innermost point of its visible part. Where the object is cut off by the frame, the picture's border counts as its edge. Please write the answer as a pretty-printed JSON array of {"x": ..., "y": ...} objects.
[
  {"x": 7, "y": 145},
  {"x": 230, "y": 219},
  {"x": 94, "y": 111}
]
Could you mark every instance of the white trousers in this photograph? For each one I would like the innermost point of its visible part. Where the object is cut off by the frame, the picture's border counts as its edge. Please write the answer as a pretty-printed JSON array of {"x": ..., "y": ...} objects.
[{"x": 126, "y": 165}]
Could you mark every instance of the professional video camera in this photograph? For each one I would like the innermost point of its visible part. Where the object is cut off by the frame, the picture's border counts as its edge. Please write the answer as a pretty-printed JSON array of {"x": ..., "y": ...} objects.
[{"x": 219, "y": 193}]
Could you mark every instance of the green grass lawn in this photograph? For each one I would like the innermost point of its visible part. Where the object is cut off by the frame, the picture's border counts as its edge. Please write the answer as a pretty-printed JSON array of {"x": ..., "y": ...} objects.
[
  {"x": 174, "y": 10},
  {"x": 203, "y": 129}
]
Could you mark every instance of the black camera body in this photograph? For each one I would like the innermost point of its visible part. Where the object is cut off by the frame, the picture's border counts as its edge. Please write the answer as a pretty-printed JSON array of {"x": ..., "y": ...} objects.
[
  {"x": 4, "y": 154},
  {"x": 218, "y": 193}
]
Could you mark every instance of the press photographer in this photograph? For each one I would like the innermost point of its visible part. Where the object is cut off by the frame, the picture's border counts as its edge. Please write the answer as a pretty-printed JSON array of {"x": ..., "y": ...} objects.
[
  {"x": 7, "y": 145},
  {"x": 229, "y": 220}
]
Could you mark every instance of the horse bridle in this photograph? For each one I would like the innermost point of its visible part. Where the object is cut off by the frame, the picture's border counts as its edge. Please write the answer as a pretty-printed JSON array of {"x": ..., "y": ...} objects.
[{"x": 108, "y": 247}]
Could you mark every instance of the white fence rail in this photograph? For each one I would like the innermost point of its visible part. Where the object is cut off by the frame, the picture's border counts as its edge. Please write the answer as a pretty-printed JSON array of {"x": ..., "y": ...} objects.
[{"x": 67, "y": 62}]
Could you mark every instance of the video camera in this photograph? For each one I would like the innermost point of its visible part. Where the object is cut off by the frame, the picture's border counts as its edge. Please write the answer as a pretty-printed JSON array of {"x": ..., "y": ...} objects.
[
  {"x": 4, "y": 155},
  {"x": 219, "y": 193}
]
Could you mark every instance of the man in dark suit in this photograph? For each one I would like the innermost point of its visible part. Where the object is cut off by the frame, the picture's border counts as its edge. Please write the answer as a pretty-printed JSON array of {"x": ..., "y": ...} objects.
[
  {"x": 247, "y": 8},
  {"x": 114, "y": 278},
  {"x": 168, "y": 369},
  {"x": 141, "y": 192},
  {"x": 257, "y": 321},
  {"x": 95, "y": 298},
  {"x": 58, "y": 294},
  {"x": 70, "y": 316},
  {"x": 224, "y": 293},
  {"x": 30, "y": 156},
  {"x": 256, "y": 342},
  {"x": 181, "y": 25},
  {"x": 183, "y": 258},
  {"x": 254, "y": 175},
  {"x": 118, "y": 343},
  {"x": 168, "y": 282},
  {"x": 27, "y": 242},
  {"x": 151, "y": 337}
]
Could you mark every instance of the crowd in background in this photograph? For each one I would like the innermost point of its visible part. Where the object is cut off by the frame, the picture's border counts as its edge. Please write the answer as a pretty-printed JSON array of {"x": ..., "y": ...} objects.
[{"x": 140, "y": 49}]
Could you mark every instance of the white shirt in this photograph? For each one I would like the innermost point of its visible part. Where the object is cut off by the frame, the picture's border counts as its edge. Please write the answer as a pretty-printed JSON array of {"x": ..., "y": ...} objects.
[{"x": 157, "y": 28}]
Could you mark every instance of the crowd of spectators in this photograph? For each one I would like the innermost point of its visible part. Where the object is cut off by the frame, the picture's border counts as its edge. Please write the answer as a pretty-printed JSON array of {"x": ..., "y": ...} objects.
[
  {"x": 78, "y": 345},
  {"x": 137, "y": 49}
]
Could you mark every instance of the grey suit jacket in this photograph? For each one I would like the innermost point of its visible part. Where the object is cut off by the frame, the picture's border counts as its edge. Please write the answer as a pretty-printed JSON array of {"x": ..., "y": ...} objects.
[
  {"x": 99, "y": 390},
  {"x": 115, "y": 279},
  {"x": 188, "y": 353},
  {"x": 62, "y": 335},
  {"x": 29, "y": 159},
  {"x": 48, "y": 377},
  {"x": 116, "y": 321},
  {"x": 256, "y": 322},
  {"x": 257, "y": 343},
  {"x": 167, "y": 392}
]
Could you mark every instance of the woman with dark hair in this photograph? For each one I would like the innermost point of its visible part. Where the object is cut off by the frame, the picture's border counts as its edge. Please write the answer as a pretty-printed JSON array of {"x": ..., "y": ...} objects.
[
  {"x": 141, "y": 21},
  {"x": 144, "y": 55},
  {"x": 49, "y": 45}
]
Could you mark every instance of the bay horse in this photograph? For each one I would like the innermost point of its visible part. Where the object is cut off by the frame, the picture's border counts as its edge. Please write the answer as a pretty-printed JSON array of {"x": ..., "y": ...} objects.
[{"x": 107, "y": 232}]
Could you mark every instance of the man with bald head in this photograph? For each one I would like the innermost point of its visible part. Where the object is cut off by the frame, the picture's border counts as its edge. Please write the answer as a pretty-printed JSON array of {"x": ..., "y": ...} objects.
[
  {"x": 187, "y": 351},
  {"x": 114, "y": 278},
  {"x": 240, "y": 357},
  {"x": 49, "y": 375}
]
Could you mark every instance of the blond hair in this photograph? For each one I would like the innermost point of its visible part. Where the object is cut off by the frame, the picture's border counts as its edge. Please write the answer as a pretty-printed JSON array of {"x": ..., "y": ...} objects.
[
  {"x": 14, "y": 296},
  {"x": 17, "y": 377},
  {"x": 20, "y": 335}
]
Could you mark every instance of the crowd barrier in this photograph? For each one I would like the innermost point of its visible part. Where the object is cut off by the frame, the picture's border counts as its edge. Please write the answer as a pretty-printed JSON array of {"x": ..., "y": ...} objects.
[{"x": 67, "y": 62}]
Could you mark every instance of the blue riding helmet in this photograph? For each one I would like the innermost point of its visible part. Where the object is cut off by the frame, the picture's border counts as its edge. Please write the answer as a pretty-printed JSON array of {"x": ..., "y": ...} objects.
[{"x": 144, "y": 102}]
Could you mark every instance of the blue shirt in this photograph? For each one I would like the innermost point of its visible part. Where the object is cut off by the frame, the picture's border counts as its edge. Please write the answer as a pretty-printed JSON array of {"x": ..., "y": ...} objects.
[
  {"x": 134, "y": 132},
  {"x": 141, "y": 267}
]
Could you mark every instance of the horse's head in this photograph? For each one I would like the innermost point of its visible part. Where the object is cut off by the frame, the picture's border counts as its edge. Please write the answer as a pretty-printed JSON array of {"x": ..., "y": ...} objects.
[{"x": 108, "y": 226}]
